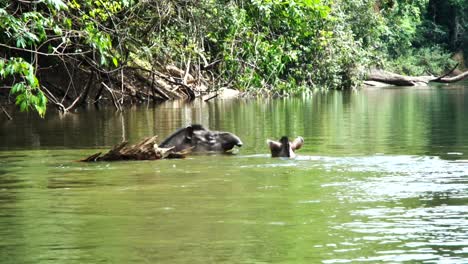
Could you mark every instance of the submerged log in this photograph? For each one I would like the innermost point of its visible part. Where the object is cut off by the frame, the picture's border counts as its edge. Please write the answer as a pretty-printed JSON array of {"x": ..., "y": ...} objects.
[
  {"x": 147, "y": 149},
  {"x": 401, "y": 80}
]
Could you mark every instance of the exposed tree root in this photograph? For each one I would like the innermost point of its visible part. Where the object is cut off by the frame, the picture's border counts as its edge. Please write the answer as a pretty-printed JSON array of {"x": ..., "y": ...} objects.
[{"x": 124, "y": 86}]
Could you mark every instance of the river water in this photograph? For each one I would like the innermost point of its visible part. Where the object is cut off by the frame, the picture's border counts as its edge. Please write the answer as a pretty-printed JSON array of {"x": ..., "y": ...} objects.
[{"x": 382, "y": 178}]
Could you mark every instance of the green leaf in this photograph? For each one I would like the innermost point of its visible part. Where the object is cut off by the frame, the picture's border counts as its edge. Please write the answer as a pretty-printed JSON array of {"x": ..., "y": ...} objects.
[
  {"x": 23, "y": 105},
  {"x": 103, "y": 59},
  {"x": 2, "y": 68},
  {"x": 114, "y": 60},
  {"x": 33, "y": 100},
  {"x": 40, "y": 110},
  {"x": 17, "y": 88},
  {"x": 32, "y": 36},
  {"x": 57, "y": 4},
  {"x": 42, "y": 99},
  {"x": 20, "y": 42},
  {"x": 58, "y": 30},
  {"x": 68, "y": 22}
]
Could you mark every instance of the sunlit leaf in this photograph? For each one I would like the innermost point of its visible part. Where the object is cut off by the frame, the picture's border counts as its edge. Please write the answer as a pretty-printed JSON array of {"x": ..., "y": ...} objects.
[{"x": 57, "y": 4}]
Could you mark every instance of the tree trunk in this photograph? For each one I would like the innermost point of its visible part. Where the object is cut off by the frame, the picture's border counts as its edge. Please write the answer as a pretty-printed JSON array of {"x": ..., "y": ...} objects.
[
  {"x": 397, "y": 79},
  {"x": 390, "y": 78},
  {"x": 457, "y": 78}
]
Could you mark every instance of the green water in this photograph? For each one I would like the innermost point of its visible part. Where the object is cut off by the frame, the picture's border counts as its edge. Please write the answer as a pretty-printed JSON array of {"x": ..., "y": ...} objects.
[{"x": 382, "y": 178}]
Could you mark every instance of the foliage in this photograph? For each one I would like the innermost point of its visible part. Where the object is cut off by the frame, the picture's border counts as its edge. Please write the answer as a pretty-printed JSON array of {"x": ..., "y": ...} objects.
[
  {"x": 446, "y": 23},
  {"x": 401, "y": 21},
  {"x": 271, "y": 43},
  {"x": 424, "y": 61},
  {"x": 287, "y": 46},
  {"x": 259, "y": 46},
  {"x": 24, "y": 30},
  {"x": 33, "y": 29},
  {"x": 28, "y": 94},
  {"x": 262, "y": 45}
]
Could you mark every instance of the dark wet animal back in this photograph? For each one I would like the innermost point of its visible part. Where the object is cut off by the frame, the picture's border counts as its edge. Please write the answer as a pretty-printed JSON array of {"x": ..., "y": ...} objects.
[
  {"x": 285, "y": 148},
  {"x": 201, "y": 139}
]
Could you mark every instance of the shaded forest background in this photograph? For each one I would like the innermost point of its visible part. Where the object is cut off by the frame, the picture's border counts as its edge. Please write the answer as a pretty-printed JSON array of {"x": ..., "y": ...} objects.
[{"x": 70, "y": 53}]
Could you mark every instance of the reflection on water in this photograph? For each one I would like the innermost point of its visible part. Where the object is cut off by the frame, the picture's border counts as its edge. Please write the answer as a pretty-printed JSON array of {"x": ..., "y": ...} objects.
[
  {"x": 382, "y": 178},
  {"x": 415, "y": 121}
]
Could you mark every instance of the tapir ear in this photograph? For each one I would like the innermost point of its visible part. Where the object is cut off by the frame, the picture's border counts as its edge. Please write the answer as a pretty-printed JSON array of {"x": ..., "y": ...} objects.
[
  {"x": 189, "y": 132},
  {"x": 274, "y": 145},
  {"x": 297, "y": 143},
  {"x": 284, "y": 141}
]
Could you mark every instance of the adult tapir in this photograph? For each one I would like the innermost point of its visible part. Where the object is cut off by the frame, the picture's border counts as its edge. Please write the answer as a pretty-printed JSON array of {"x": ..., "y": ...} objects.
[
  {"x": 284, "y": 148},
  {"x": 201, "y": 139}
]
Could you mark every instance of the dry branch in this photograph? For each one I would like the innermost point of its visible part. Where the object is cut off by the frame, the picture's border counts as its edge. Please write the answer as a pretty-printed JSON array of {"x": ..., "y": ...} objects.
[{"x": 6, "y": 113}]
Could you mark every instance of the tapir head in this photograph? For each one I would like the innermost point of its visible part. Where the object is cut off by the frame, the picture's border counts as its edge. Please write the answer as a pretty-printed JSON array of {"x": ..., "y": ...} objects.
[{"x": 285, "y": 148}]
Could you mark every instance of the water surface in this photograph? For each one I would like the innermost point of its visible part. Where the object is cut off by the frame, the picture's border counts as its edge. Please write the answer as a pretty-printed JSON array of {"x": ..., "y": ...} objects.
[{"x": 382, "y": 178}]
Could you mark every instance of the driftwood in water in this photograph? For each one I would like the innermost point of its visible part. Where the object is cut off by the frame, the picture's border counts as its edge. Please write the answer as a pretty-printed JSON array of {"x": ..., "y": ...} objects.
[
  {"x": 401, "y": 80},
  {"x": 147, "y": 149}
]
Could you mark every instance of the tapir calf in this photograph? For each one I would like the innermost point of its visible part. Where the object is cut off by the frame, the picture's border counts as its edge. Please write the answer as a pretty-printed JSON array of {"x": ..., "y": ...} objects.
[{"x": 285, "y": 148}]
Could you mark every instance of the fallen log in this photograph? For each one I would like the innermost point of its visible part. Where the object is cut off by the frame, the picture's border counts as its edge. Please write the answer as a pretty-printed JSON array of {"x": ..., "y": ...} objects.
[
  {"x": 402, "y": 80},
  {"x": 457, "y": 78},
  {"x": 397, "y": 79},
  {"x": 147, "y": 149}
]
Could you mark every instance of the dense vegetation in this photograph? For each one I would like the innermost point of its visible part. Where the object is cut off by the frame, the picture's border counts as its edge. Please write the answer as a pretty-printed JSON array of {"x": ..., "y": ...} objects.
[{"x": 257, "y": 46}]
